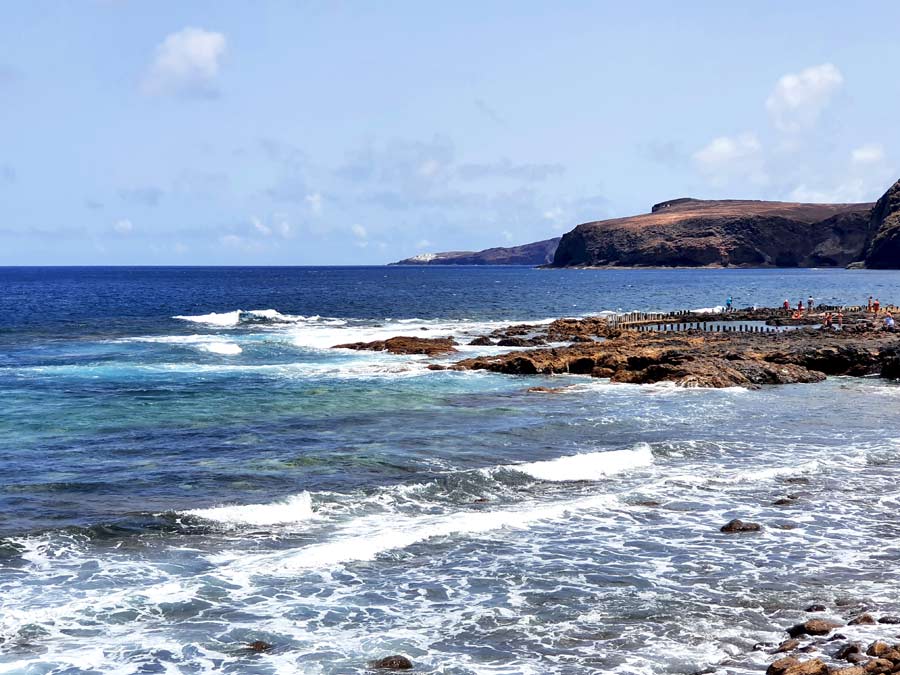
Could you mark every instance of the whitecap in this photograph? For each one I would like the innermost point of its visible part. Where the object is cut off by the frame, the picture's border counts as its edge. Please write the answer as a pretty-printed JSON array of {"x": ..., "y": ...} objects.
[
  {"x": 214, "y": 318},
  {"x": 588, "y": 466},
  {"x": 294, "y": 509}
]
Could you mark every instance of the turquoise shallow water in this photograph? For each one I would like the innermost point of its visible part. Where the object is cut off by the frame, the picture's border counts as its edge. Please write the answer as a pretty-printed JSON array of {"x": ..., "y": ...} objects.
[{"x": 173, "y": 488}]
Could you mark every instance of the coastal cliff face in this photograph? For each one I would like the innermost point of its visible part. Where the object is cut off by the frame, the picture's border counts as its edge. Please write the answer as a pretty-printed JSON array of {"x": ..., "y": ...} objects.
[
  {"x": 883, "y": 248},
  {"x": 537, "y": 253},
  {"x": 696, "y": 233}
]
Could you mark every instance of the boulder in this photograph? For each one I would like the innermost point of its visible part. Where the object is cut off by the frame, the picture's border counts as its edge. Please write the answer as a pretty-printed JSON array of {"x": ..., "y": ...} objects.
[
  {"x": 862, "y": 620},
  {"x": 259, "y": 646},
  {"x": 813, "y": 627},
  {"x": 396, "y": 662},
  {"x": 737, "y": 526},
  {"x": 793, "y": 666},
  {"x": 816, "y": 607},
  {"x": 786, "y": 646},
  {"x": 482, "y": 341},
  {"x": 878, "y": 648},
  {"x": 405, "y": 345}
]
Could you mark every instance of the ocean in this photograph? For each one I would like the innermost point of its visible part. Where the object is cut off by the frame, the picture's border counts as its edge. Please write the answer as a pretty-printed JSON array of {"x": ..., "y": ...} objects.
[{"x": 186, "y": 467}]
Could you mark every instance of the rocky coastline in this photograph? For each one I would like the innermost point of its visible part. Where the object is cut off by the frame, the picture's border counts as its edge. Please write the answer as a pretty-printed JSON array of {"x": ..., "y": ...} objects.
[{"x": 680, "y": 351}]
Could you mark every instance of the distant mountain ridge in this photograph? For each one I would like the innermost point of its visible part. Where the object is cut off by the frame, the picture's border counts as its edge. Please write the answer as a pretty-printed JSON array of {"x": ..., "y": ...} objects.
[
  {"x": 697, "y": 233},
  {"x": 688, "y": 232},
  {"x": 537, "y": 253}
]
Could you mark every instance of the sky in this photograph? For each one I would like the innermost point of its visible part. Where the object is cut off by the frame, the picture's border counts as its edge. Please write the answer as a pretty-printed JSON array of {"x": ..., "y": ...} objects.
[{"x": 332, "y": 133}]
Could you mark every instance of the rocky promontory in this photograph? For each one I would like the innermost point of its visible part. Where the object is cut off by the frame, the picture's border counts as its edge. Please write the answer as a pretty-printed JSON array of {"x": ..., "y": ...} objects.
[
  {"x": 537, "y": 253},
  {"x": 696, "y": 233}
]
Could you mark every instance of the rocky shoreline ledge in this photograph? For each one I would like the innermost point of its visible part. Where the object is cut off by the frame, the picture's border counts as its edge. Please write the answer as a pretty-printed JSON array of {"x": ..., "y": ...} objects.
[{"x": 683, "y": 354}]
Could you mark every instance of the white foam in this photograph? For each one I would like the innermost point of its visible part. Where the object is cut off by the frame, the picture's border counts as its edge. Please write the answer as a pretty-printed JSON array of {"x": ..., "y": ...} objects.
[
  {"x": 214, "y": 318},
  {"x": 588, "y": 466},
  {"x": 294, "y": 509},
  {"x": 225, "y": 348},
  {"x": 366, "y": 537}
]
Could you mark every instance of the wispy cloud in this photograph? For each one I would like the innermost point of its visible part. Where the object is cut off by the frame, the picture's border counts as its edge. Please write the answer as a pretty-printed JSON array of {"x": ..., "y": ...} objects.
[
  {"x": 7, "y": 174},
  {"x": 506, "y": 169},
  {"x": 141, "y": 196},
  {"x": 730, "y": 158},
  {"x": 799, "y": 98},
  {"x": 186, "y": 63}
]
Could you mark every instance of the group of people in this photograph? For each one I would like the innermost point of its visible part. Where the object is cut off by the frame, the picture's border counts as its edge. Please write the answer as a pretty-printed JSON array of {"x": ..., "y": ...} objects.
[
  {"x": 836, "y": 319},
  {"x": 874, "y": 307},
  {"x": 798, "y": 313}
]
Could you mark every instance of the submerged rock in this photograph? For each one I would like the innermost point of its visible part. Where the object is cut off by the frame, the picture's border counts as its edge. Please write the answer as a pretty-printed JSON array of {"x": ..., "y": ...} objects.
[
  {"x": 791, "y": 665},
  {"x": 396, "y": 662},
  {"x": 737, "y": 525},
  {"x": 405, "y": 345},
  {"x": 259, "y": 646},
  {"x": 813, "y": 627}
]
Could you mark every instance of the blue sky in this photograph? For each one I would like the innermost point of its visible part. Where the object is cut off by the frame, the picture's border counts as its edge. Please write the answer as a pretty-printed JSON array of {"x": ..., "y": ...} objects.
[{"x": 359, "y": 133}]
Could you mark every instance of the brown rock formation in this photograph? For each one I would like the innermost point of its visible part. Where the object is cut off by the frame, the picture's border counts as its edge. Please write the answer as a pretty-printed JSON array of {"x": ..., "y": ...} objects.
[
  {"x": 537, "y": 253},
  {"x": 883, "y": 247},
  {"x": 697, "y": 359},
  {"x": 695, "y": 233},
  {"x": 405, "y": 345}
]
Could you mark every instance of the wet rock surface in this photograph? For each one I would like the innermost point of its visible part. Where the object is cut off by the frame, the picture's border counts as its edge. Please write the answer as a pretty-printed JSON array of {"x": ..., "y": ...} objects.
[
  {"x": 736, "y": 526},
  {"x": 396, "y": 662},
  {"x": 704, "y": 359},
  {"x": 405, "y": 345}
]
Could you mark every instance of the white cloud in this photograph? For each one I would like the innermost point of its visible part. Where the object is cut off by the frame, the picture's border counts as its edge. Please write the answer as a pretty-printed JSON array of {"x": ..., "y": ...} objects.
[
  {"x": 284, "y": 228},
  {"x": 871, "y": 153},
  {"x": 231, "y": 240},
  {"x": 123, "y": 226},
  {"x": 728, "y": 158},
  {"x": 359, "y": 231},
  {"x": 315, "y": 202},
  {"x": 423, "y": 243},
  {"x": 799, "y": 98},
  {"x": 186, "y": 62},
  {"x": 261, "y": 227},
  {"x": 850, "y": 191}
]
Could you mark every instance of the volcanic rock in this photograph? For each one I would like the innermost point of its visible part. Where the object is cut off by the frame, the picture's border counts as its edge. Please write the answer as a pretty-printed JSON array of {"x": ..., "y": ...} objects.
[
  {"x": 816, "y": 607},
  {"x": 405, "y": 345},
  {"x": 537, "y": 253},
  {"x": 482, "y": 341},
  {"x": 737, "y": 525},
  {"x": 862, "y": 620},
  {"x": 813, "y": 627},
  {"x": 790, "y": 665},
  {"x": 395, "y": 662},
  {"x": 889, "y": 619},
  {"x": 883, "y": 247},
  {"x": 878, "y": 648},
  {"x": 696, "y": 233},
  {"x": 259, "y": 646}
]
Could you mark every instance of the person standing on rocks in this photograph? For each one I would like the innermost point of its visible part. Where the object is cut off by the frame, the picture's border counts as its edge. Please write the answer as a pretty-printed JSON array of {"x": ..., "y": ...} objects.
[
  {"x": 869, "y": 307},
  {"x": 876, "y": 306},
  {"x": 810, "y": 304},
  {"x": 728, "y": 303},
  {"x": 840, "y": 320},
  {"x": 786, "y": 305},
  {"x": 800, "y": 305}
]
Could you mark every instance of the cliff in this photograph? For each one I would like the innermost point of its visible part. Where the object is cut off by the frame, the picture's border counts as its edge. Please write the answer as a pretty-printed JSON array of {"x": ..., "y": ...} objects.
[
  {"x": 883, "y": 247},
  {"x": 538, "y": 253},
  {"x": 694, "y": 233}
]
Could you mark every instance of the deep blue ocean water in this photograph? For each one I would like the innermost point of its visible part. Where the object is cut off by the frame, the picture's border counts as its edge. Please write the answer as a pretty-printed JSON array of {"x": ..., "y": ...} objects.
[{"x": 186, "y": 466}]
